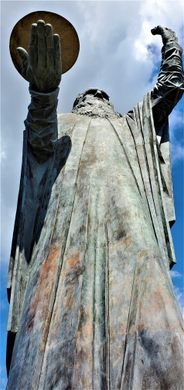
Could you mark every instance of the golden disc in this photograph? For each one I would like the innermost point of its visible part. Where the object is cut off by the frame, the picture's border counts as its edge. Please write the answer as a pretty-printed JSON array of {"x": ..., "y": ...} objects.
[{"x": 69, "y": 39}]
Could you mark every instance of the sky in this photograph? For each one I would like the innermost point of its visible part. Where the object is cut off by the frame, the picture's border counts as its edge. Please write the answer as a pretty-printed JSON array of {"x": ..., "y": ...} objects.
[{"x": 117, "y": 54}]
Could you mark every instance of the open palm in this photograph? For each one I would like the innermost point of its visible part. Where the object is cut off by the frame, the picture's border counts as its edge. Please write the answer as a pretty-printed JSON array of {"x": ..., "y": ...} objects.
[{"x": 41, "y": 65}]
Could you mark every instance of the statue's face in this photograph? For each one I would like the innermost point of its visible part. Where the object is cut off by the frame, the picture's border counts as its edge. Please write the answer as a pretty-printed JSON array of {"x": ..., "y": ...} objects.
[
  {"x": 94, "y": 102},
  {"x": 90, "y": 96}
]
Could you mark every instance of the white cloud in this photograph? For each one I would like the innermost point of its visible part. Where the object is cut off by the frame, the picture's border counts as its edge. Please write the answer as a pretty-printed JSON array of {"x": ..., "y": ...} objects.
[
  {"x": 3, "y": 155},
  {"x": 177, "y": 153},
  {"x": 176, "y": 119},
  {"x": 163, "y": 12},
  {"x": 2, "y": 378},
  {"x": 175, "y": 274},
  {"x": 144, "y": 40},
  {"x": 176, "y": 135},
  {"x": 180, "y": 298}
]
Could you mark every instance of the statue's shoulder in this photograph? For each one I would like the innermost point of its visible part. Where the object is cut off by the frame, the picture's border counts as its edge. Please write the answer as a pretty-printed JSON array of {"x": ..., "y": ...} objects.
[
  {"x": 66, "y": 121},
  {"x": 66, "y": 116}
]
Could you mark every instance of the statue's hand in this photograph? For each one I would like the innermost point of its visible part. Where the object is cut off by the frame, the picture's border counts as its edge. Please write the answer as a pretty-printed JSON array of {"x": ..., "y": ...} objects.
[
  {"x": 166, "y": 33},
  {"x": 41, "y": 65}
]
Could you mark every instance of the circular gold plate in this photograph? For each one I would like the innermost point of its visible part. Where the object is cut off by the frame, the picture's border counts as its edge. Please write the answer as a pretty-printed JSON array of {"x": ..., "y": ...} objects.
[{"x": 69, "y": 39}]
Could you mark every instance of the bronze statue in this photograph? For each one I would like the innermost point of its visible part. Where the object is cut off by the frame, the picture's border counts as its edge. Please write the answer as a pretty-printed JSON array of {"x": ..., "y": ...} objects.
[{"x": 91, "y": 299}]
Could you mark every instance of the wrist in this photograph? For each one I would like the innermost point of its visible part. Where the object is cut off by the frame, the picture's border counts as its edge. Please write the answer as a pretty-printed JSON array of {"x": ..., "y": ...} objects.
[
  {"x": 44, "y": 98},
  {"x": 171, "y": 45},
  {"x": 45, "y": 86},
  {"x": 169, "y": 40},
  {"x": 40, "y": 90}
]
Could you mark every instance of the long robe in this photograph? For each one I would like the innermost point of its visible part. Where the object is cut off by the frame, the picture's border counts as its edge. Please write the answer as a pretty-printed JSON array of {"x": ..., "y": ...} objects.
[{"x": 91, "y": 296}]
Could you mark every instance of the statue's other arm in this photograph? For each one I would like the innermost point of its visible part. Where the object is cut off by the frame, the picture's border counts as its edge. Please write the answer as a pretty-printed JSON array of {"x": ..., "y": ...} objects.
[
  {"x": 42, "y": 68},
  {"x": 170, "y": 83}
]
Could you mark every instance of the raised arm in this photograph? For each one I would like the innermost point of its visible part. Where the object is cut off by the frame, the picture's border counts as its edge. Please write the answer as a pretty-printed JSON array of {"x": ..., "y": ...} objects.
[
  {"x": 170, "y": 83},
  {"x": 42, "y": 67}
]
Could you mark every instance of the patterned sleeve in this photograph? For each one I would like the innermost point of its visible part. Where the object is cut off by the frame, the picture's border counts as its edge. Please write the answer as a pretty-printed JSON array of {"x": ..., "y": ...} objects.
[{"x": 170, "y": 83}]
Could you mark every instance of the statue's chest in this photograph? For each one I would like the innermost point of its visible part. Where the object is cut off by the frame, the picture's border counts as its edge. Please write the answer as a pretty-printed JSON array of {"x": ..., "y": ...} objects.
[{"x": 98, "y": 144}]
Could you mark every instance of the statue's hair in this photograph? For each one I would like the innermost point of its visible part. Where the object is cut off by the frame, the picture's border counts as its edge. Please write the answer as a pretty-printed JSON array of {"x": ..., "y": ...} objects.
[
  {"x": 89, "y": 91},
  {"x": 104, "y": 110},
  {"x": 76, "y": 101}
]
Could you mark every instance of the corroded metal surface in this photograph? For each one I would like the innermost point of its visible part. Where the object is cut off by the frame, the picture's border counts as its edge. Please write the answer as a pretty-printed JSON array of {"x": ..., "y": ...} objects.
[
  {"x": 92, "y": 311},
  {"x": 91, "y": 296}
]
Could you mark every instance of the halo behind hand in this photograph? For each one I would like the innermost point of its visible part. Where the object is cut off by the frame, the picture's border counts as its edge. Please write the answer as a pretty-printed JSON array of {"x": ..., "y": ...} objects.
[{"x": 21, "y": 33}]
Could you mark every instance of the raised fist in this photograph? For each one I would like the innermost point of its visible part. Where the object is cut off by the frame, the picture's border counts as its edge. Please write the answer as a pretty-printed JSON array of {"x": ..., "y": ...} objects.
[
  {"x": 166, "y": 33},
  {"x": 41, "y": 65}
]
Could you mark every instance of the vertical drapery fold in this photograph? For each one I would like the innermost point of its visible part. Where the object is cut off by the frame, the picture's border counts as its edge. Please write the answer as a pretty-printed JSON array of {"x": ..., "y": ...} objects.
[{"x": 99, "y": 310}]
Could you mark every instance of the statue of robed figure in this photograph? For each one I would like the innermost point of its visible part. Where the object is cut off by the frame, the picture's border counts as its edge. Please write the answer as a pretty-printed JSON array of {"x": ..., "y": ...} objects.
[{"x": 91, "y": 299}]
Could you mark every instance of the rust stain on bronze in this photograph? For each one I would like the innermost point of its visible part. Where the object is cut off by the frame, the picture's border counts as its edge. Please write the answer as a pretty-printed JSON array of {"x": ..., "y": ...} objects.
[
  {"x": 69, "y": 276},
  {"x": 142, "y": 254},
  {"x": 43, "y": 287},
  {"x": 69, "y": 298},
  {"x": 85, "y": 327},
  {"x": 126, "y": 241},
  {"x": 74, "y": 267},
  {"x": 88, "y": 329},
  {"x": 74, "y": 260}
]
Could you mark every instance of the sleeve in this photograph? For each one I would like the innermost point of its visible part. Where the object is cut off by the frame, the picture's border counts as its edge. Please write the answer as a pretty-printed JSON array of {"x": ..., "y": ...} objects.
[
  {"x": 170, "y": 84},
  {"x": 41, "y": 124},
  {"x": 38, "y": 146}
]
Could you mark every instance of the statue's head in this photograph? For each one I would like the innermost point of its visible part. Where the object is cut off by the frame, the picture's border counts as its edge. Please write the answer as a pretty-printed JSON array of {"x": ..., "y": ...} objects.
[
  {"x": 90, "y": 95},
  {"x": 94, "y": 102}
]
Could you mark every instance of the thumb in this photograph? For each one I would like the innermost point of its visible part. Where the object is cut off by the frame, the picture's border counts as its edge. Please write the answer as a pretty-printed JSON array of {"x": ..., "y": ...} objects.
[{"x": 24, "y": 57}]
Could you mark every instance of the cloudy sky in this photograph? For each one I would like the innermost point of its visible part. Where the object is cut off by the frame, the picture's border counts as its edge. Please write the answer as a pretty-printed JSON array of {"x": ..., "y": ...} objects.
[{"x": 117, "y": 54}]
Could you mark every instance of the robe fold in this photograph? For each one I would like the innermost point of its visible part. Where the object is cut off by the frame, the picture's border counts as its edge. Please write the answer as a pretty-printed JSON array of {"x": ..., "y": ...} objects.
[
  {"x": 91, "y": 299},
  {"x": 94, "y": 303}
]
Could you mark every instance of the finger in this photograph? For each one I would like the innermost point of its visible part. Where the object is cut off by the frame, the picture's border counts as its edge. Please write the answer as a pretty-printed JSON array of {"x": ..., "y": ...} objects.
[
  {"x": 33, "y": 46},
  {"x": 42, "y": 53},
  {"x": 49, "y": 35},
  {"x": 57, "y": 54},
  {"x": 49, "y": 45},
  {"x": 24, "y": 57}
]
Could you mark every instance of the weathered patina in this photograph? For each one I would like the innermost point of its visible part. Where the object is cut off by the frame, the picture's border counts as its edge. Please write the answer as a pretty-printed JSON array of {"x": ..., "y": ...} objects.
[{"x": 92, "y": 301}]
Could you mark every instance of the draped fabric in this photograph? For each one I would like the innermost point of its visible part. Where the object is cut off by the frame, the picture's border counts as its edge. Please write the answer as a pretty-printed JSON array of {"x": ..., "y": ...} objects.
[{"x": 91, "y": 295}]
